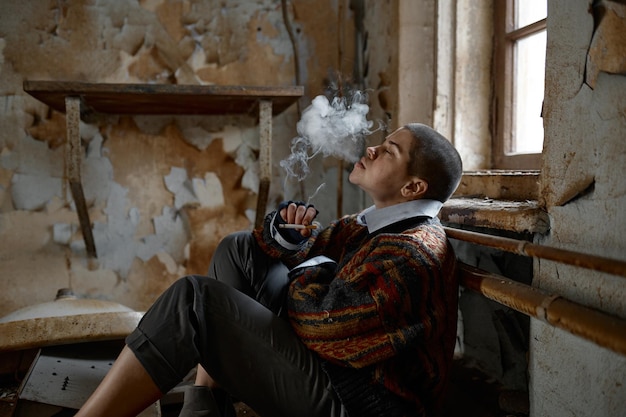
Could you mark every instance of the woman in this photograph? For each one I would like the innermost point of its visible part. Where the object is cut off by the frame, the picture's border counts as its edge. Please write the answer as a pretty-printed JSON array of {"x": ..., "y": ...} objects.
[{"x": 358, "y": 318}]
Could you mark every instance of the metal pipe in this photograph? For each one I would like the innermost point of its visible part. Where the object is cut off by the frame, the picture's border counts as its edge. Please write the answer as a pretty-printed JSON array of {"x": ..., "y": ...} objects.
[
  {"x": 521, "y": 247},
  {"x": 599, "y": 327}
]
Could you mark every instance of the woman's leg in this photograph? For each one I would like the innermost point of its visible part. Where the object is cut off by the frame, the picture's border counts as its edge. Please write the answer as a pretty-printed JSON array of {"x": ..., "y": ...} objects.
[
  {"x": 239, "y": 263},
  {"x": 249, "y": 351},
  {"x": 203, "y": 378},
  {"x": 125, "y": 391}
]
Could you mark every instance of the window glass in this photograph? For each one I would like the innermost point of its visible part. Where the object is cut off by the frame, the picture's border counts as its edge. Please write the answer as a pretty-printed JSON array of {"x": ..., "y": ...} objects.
[
  {"x": 530, "y": 11},
  {"x": 528, "y": 92}
]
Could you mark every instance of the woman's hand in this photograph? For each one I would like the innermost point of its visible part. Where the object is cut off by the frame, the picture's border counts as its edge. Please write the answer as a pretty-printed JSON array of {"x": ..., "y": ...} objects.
[{"x": 299, "y": 214}]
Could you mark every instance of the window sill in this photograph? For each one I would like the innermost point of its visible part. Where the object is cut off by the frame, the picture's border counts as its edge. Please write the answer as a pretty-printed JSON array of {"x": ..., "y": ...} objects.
[
  {"x": 500, "y": 185},
  {"x": 501, "y": 200},
  {"x": 512, "y": 216}
]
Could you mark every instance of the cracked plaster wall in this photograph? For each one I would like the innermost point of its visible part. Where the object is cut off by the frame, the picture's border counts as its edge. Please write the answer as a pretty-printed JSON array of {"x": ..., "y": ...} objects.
[
  {"x": 161, "y": 190},
  {"x": 584, "y": 190}
]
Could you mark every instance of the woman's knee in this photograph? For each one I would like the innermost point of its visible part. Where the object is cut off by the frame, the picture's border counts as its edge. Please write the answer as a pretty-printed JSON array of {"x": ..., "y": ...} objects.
[
  {"x": 232, "y": 257},
  {"x": 235, "y": 243},
  {"x": 180, "y": 293}
]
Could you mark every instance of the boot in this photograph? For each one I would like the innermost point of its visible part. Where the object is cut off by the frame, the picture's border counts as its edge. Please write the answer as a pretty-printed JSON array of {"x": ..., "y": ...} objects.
[{"x": 199, "y": 402}]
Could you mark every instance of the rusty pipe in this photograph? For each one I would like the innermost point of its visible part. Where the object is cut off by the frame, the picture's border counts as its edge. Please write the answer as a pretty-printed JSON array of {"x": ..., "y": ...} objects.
[
  {"x": 522, "y": 247},
  {"x": 599, "y": 327}
]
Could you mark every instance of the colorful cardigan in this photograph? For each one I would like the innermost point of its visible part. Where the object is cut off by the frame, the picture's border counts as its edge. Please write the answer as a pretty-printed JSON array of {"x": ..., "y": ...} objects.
[{"x": 383, "y": 318}]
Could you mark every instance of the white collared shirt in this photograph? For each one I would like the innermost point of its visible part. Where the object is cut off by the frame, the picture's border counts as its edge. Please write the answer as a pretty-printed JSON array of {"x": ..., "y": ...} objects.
[{"x": 376, "y": 219}]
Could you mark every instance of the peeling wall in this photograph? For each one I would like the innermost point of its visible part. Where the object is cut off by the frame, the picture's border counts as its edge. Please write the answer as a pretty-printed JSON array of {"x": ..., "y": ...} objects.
[
  {"x": 584, "y": 190},
  {"x": 381, "y": 78},
  {"x": 161, "y": 191}
]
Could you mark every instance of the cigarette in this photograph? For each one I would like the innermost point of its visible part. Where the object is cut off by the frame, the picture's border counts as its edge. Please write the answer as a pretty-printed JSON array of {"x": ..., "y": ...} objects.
[{"x": 297, "y": 226}]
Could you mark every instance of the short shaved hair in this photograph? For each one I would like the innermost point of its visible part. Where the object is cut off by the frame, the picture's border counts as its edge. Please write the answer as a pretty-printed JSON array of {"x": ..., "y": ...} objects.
[{"x": 434, "y": 159}]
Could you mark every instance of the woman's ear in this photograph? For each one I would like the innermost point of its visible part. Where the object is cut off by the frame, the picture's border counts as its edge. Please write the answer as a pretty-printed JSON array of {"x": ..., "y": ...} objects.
[{"x": 415, "y": 188}]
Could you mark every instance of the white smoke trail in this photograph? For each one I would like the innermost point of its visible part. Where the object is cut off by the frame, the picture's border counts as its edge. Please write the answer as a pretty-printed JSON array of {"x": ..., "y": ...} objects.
[
  {"x": 319, "y": 188},
  {"x": 336, "y": 128}
]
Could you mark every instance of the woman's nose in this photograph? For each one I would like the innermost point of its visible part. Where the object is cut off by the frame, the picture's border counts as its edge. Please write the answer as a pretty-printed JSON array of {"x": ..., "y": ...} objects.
[{"x": 371, "y": 152}]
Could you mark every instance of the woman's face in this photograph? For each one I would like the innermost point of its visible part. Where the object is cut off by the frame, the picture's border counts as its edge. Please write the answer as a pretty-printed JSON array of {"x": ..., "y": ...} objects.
[{"x": 383, "y": 171}]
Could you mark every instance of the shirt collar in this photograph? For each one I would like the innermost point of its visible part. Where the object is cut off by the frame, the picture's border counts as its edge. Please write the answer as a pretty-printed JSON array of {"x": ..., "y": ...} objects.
[{"x": 376, "y": 219}]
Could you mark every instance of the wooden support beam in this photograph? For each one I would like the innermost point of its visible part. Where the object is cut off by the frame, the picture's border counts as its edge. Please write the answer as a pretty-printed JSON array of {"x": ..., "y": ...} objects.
[
  {"x": 73, "y": 162},
  {"x": 265, "y": 159}
]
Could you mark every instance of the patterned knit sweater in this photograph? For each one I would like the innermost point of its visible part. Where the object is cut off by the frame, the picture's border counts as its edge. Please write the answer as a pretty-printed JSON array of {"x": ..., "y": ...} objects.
[{"x": 383, "y": 318}]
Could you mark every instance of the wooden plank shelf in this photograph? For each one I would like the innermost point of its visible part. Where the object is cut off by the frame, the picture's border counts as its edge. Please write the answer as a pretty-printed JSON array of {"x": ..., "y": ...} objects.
[
  {"x": 79, "y": 99},
  {"x": 164, "y": 98}
]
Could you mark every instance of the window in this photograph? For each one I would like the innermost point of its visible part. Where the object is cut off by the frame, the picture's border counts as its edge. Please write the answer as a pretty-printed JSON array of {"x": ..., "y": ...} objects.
[{"x": 520, "y": 51}]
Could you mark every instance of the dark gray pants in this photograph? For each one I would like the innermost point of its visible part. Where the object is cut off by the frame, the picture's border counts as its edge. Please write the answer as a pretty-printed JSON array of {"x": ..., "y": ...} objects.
[{"x": 232, "y": 326}]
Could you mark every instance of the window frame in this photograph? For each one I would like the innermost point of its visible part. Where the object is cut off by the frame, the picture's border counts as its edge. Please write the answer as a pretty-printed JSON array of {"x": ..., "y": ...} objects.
[{"x": 505, "y": 36}]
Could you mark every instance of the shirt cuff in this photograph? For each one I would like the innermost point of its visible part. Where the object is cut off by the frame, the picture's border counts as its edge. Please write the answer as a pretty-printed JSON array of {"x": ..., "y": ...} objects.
[
  {"x": 316, "y": 260},
  {"x": 278, "y": 237}
]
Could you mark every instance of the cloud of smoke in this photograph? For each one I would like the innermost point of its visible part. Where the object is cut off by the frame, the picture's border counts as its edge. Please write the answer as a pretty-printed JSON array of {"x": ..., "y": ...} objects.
[{"x": 332, "y": 128}]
